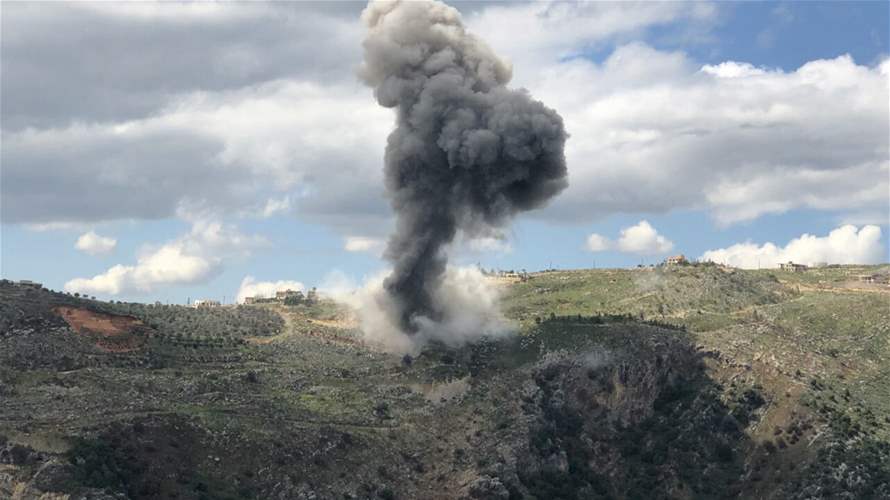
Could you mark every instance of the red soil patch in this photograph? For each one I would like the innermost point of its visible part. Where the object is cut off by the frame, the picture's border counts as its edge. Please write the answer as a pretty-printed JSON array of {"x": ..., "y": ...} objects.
[{"x": 115, "y": 330}]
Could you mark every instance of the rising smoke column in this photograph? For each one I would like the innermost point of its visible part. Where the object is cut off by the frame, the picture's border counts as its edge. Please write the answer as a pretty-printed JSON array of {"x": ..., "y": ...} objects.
[{"x": 467, "y": 152}]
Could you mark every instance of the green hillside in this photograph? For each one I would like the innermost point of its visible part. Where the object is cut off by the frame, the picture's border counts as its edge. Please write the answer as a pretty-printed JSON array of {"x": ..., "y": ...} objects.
[{"x": 677, "y": 382}]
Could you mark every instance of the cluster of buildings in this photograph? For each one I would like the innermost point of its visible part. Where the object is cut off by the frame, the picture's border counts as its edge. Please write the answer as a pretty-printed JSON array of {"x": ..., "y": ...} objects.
[
  {"x": 205, "y": 303},
  {"x": 288, "y": 297}
]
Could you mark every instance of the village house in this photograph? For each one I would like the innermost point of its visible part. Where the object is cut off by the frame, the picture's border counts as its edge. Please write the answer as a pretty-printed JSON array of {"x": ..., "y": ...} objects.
[
  {"x": 676, "y": 260},
  {"x": 283, "y": 295},
  {"x": 791, "y": 266},
  {"x": 202, "y": 303}
]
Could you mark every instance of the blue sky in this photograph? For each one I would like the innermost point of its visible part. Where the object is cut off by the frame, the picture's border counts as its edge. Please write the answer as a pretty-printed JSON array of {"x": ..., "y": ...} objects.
[{"x": 147, "y": 158}]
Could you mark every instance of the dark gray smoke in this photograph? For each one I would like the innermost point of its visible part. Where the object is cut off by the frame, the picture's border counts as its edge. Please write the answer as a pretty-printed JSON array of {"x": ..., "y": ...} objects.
[{"x": 467, "y": 152}]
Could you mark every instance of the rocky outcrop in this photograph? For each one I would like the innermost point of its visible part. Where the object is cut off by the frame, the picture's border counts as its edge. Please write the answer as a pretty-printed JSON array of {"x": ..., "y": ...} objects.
[{"x": 621, "y": 421}]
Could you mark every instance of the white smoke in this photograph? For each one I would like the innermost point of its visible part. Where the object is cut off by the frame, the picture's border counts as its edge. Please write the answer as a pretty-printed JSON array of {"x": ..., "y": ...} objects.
[{"x": 470, "y": 310}]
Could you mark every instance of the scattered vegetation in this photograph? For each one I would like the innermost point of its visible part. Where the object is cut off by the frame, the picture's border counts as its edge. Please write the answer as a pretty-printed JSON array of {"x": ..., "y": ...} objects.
[{"x": 675, "y": 382}]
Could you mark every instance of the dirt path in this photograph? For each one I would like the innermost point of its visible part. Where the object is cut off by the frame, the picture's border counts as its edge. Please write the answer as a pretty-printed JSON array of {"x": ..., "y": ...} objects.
[
  {"x": 848, "y": 287},
  {"x": 343, "y": 324}
]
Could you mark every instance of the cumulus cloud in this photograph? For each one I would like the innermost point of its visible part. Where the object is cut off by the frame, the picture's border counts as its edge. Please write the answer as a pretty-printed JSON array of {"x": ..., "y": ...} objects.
[
  {"x": 363, "y": 244},
  {"x": 168, "y": 265},
  {"x": 643, "y": 239},
  {"x": 598, "y": 243},
  {"x": 220, "y": 129},
  {"x": 644, "y": 121},
  {"x": 239, "y": 121},
  {"x": 195, "y": 257},
  {"x": 248, "y": 119},
  {"x": 640, "y": 239},
  {"x": 93, "y": 244},
  {"x": 250, "y": 287},
  {"x": 557, "y": 31},
  {"x": 221, "y": 151},
  {"x": 844, "y": 245},
  {"x": 756, "y": 141},
  {"x": 155, "y": 52}
]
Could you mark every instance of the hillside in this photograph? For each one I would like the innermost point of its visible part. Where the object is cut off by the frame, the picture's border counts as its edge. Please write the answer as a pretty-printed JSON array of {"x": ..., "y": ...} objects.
[{"x": 680, "y": 382}]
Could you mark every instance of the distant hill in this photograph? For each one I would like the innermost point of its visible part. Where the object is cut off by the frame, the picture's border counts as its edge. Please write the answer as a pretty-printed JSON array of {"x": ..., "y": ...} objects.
[{"x": 672, "y": 382}]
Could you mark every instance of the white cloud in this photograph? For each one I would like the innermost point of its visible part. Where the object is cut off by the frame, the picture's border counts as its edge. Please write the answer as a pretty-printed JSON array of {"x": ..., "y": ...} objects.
[
  {"x": 653, "y": 131},
  {"x": 555, "y": 31},
  {"x": 276, "y": 206},
  {"x": 640, "y": 239},
  {"x": 363, "y": 244},
  {"x": 643, "y": 239},
  {"x": 222, "y": 151},
  {"x": 488, "y": 244},
  {"x": 195, "y": 257},
  {"x": 168, "y": 265},
  {"x": 250, "y": 287},
  {"x": 598, "y": 243},
  {"x": 732, "y": 69},
  {"x": 844, "y": 245},
  {"x": 271, "y": 117},
  {"x": 93, "y": 244}
]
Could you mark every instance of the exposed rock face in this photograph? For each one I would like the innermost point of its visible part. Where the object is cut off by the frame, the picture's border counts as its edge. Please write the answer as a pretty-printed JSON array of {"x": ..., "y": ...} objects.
[
  {"x": 603, "y": 422},
  {"x": 487, "y": 488},
  {"x": 53, "y": 475},
  {"x": 29, "y": 475}
]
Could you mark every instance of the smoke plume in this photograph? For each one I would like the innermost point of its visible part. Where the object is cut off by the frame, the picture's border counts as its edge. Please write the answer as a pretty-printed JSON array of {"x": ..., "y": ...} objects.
[
  {"x": 467, "y": 153},
  {"x": 471, "y": 310}
]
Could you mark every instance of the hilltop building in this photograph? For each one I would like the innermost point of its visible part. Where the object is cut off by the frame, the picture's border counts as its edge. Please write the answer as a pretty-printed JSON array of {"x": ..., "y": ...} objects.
[
  {"x": 30, "y": 284},
  {"x": 202, "y": 303},
  {"x": 791, "y": 266},
  {"x": 283, "y": 295},
  {"x": 676, "y": 260}
]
